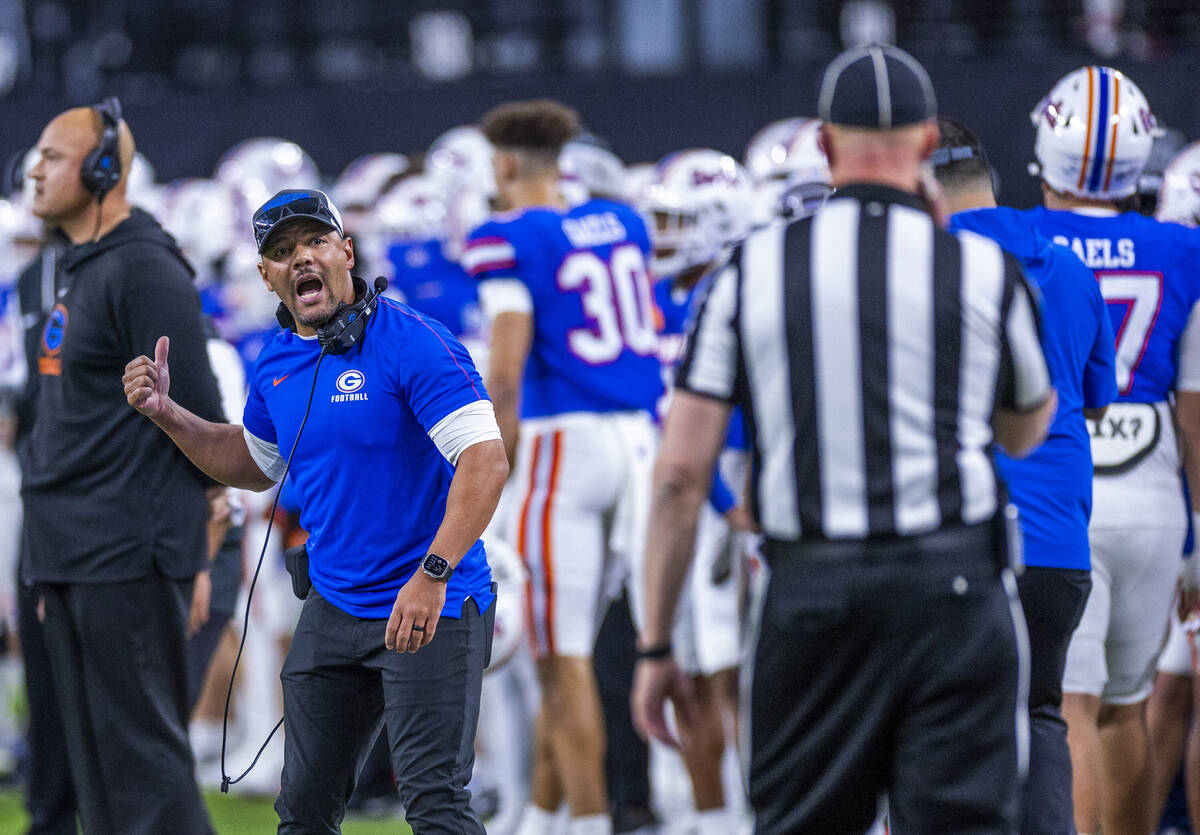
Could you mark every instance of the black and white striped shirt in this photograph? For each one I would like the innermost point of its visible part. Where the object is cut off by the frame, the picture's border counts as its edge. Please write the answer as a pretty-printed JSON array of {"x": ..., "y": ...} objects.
[{"x": 869, "y": 348}]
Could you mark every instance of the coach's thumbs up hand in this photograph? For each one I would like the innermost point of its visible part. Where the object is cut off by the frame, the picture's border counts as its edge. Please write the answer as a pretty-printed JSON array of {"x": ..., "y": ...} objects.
[{"x": 148, "y": 381}]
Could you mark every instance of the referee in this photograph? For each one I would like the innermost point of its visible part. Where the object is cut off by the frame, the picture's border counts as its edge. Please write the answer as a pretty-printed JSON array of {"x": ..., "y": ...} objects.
[{"x": 878, "y": 359}]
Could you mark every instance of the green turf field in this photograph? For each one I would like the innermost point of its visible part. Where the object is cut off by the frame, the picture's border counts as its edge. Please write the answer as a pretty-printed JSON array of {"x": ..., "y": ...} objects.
[{"x": 231, "y": 815}]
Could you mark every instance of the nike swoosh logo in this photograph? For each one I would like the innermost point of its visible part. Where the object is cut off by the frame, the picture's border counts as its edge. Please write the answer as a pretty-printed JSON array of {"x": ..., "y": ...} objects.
[{"x": 279, "y": 380}]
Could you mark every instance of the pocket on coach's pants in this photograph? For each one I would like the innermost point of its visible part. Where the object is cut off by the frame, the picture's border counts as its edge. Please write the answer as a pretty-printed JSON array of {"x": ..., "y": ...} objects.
[{"x": 489, "y": 627}]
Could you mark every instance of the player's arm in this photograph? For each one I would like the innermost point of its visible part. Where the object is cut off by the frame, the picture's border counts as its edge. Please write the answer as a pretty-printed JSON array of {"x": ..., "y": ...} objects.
[
  {"x": 217, "y": 449},
  {"x": 1187, "y": 402},
  {"x": 511, "y": 337},
  {"x": 693, "y": 437},
  {"x": 491, "y": 259},
  {"x": 1027, "y": 400},
  {"x": 1100, "y": 370},
  {"x": 1187, "y": 418}
]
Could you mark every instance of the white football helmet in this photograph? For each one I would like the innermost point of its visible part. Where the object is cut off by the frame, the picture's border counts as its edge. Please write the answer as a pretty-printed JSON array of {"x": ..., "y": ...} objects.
[
  {"x": 789, "y": 168},
  {"x": 19, "y": 227},
  {"x": 461, "y": 161},
  {"x": 142, "y": 190},
  {"x": 590, "y": 170},
  {"x": 699, "y": 204},
  {"x": 637, "y": 177},
  {"x": 462, "y": 157},
  {"x": 511, "y": 579},
  {"x": 203, "y": 216},
  {"x": 1179, "y": 198},
  {"x": 362, "y": 181},
  {"x": 1094, "y": 134},
  {"x": 258, "y": 168},
  {"x": 414, "y": 209}
]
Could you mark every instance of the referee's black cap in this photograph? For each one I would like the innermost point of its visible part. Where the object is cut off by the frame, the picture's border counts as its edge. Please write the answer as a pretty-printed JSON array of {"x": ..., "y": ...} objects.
[{"x": 878, "y": 87}]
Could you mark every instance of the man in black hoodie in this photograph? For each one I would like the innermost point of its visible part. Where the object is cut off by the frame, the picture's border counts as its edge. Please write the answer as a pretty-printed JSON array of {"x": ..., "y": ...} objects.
[{"x": 114, "y": 514}]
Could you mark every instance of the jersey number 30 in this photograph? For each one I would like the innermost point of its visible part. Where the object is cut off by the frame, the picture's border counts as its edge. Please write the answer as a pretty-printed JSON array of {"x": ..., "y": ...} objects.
[
  {"x": 616, "y": 300},
  {"x": 1139, "y": 294}
]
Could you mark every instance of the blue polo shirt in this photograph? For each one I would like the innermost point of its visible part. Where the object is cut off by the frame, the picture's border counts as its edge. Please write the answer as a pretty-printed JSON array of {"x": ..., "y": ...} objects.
[
  {"x": 1052, "y": 487},
  {"x": 371, "y": 484}
]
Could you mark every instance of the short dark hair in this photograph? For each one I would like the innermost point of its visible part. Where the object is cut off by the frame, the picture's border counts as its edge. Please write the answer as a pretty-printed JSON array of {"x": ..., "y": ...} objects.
[
  {"x": 541, "y": 126},
  {"x": 960, "y": 161}
]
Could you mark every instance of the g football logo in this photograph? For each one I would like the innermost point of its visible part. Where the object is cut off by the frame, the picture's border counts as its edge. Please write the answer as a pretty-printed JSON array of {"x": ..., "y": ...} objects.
[
  {"x": 53, "y": 335},
  {"x": 56, "y": 328},
  {"x": 350, "y": 381}
]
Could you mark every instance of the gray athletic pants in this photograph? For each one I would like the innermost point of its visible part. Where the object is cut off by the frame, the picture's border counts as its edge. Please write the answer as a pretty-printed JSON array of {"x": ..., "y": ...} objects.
[{"x": 340, "y": 684}]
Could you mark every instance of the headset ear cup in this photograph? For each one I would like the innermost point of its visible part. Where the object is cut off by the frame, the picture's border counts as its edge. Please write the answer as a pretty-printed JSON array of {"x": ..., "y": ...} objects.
[
  {"x": 101, "y": 169},
  {"x": 284, "y": 317}
]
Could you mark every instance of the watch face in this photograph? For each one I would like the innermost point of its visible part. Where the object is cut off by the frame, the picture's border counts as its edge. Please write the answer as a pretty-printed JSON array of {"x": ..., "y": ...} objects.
[{"x": 436, "y": 565}]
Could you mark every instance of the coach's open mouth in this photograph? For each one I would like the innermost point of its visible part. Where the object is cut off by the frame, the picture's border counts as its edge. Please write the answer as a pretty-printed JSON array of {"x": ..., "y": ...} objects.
[{"x": 308, "y": 288}]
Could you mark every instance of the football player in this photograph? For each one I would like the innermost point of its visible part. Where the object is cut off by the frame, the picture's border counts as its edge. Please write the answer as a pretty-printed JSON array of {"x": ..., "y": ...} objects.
[
  {"x": 1177, "y": 684},
  {"x": 590, "y": 169},
  {"x": 1051, "y": 487},
  {"x": 356, "y": 191},
  {"x": 413, "y": 222},
  {"x": 574, "y": 378},
  {"x": 698, "y": 205},
  {"x": 1179, "y": 194},
  {"x": 786, "y": 161},
  {"x": 1094, "y": 134}
]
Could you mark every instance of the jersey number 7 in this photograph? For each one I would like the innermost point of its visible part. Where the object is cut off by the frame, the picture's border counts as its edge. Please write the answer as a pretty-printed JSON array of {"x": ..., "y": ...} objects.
[{"x": 1139, "y": 294}]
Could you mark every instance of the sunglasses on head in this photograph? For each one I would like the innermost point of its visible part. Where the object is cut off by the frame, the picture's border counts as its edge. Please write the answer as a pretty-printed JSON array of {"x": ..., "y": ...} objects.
[{"x": 301, "y": 205}]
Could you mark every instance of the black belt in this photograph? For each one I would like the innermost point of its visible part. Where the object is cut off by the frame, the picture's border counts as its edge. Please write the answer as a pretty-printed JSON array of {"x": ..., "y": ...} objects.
[{"x": 964, "y": 544}]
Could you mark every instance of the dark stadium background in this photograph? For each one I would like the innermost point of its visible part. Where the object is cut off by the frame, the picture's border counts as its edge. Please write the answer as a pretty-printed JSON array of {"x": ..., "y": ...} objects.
[{"x": 651, "y": 76}]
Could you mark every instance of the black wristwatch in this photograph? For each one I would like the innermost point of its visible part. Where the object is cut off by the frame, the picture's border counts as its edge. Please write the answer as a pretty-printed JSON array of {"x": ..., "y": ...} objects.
[{"x": 437, "y": 567}]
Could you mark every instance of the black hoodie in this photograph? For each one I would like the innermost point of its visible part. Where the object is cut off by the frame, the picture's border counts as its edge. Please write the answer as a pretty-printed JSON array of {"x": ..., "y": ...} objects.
[{"x": 108, "y": 497}]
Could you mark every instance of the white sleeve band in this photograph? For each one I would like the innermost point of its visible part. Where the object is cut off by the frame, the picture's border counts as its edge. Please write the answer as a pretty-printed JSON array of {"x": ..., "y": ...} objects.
[
  {"x": 504, "y": 295},
  {"x": 266, "y": 455},
  {"x": 1188, "y": 376},
  {"x": 711, "y": 353},
  {"x": 472, "y": 424}
]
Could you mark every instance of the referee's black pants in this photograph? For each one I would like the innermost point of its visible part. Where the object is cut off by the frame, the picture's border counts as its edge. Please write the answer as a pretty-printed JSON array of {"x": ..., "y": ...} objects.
[
  {"x": 340, "y": 684},
  {"x": 1053, "y": 600},
  {"x": 888, "y": 667}
]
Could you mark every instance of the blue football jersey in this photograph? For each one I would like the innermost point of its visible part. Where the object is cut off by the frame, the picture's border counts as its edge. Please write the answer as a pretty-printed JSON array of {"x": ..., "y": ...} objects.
[
  {"x": 1052, "y": 487},
  {"x": 434, "y": 285},
  {"x": 676, "y": 308},
  {"x": 1149, "y": 275},
  {"x": 595, "y": 342},
  {"x": 370, "y": 483}
]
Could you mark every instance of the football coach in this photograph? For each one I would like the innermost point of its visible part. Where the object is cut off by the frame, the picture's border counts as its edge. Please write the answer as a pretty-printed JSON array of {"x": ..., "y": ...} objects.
[
  {"x": 383, "y": 424},
  {"x": 878, "y": 358}
]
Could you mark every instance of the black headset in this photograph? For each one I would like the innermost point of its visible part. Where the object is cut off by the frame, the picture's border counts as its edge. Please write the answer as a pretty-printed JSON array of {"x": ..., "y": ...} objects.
[
  {"x": 345, "y": 328},
  {"x": 101, "y": 168}
]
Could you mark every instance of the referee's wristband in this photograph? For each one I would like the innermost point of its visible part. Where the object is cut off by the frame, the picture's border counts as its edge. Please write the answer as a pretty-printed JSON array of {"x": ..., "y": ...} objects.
[{"x": 655, "y": 653}]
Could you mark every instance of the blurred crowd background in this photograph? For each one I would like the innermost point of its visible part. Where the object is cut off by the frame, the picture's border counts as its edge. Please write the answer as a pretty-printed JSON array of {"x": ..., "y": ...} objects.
[
  {"x": 232, "y": 100},
  {"x": 346, "y": 78}
]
